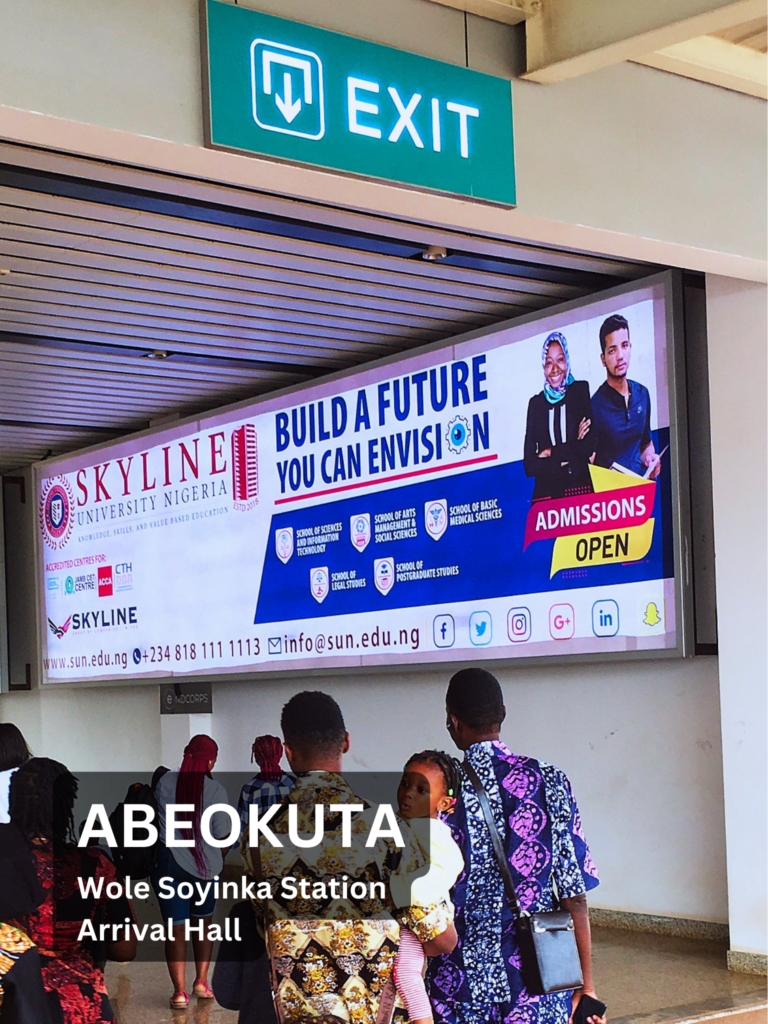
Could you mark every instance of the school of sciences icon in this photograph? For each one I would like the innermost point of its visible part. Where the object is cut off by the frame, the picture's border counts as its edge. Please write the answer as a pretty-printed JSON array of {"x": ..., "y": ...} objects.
[
  {"x": 360, "y": 530},
  {"x": 284, "y": 545}
]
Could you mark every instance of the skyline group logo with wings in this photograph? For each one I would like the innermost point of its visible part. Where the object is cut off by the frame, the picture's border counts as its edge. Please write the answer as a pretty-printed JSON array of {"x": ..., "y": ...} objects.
[{"x": 59, "y": 631}]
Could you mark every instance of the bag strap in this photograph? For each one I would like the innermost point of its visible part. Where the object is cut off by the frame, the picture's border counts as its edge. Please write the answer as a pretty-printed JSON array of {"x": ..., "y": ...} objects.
[
  {"x": 498, "y": 846},
  {"x": 387, "y": 1002}
]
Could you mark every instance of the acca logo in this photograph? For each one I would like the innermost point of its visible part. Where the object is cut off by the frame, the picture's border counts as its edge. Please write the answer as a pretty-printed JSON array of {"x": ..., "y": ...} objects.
[
  {"x": 519, "y": 625},
  {"x": 561, "y": 622}
]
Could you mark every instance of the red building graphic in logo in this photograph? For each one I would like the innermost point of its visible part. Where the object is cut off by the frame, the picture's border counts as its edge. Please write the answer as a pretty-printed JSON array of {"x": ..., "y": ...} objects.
[{"x": 245, "y": 466}]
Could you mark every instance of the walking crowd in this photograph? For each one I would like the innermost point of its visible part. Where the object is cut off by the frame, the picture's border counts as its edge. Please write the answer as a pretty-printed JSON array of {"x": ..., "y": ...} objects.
[{"x": 482, "y": 913}]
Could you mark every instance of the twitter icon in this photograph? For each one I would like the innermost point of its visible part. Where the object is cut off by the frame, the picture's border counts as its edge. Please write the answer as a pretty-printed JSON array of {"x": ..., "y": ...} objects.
[{"x": 480, "y": 628}]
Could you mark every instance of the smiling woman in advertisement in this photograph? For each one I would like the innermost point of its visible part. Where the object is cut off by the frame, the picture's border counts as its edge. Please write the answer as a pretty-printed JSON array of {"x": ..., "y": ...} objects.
[{"x": 558, "y": 446}]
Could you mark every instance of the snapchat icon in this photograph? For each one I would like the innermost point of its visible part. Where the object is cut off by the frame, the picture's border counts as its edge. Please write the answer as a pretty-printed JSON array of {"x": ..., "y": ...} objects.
[
  {"x": 652, "y": 617},
  {"x": 650, "y": 613}
]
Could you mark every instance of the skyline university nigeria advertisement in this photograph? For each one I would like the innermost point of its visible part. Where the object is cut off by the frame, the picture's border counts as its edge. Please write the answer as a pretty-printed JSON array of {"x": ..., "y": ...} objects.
[{"x": 509, "y": 495}]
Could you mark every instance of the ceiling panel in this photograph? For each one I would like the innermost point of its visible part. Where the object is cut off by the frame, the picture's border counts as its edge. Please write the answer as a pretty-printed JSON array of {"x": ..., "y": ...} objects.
[{"x": 236, "y": 303}]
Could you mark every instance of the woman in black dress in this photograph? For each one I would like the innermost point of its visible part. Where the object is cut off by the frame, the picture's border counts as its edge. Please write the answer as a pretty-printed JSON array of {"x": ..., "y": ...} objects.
[
  {"x": 558, "y": 440},
  {"x": 23, "y": 999}
]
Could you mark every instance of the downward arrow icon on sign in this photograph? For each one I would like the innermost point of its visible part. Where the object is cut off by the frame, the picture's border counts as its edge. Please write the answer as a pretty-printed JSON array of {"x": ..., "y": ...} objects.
[{"x": 288, "y": 107}]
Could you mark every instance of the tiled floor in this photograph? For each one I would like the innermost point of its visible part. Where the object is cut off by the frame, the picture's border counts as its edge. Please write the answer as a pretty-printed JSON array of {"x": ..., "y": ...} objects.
[
  {"x": 645, "y": 979},
  {"x": 651, "y": 979}
]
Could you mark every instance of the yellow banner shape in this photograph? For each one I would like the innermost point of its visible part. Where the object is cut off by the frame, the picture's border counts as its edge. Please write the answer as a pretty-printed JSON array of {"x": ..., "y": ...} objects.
[
  {"x": 612, "y": 479},
  {"x": 609, "y": 546}
]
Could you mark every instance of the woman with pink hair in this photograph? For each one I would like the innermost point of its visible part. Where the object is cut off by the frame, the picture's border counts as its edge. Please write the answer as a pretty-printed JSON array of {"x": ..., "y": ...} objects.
[
  {"x": 193, "y": 785},
  {"x": 271, "y": 785}
]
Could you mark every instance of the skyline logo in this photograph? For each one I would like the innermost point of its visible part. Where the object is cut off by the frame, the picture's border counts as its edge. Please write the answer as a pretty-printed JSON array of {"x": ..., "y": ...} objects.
[{"x": 59, "y": 631}]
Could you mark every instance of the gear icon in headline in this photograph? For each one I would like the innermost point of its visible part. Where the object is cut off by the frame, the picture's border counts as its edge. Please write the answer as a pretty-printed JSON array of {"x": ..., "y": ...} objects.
[{"x": 458, "y": 434}]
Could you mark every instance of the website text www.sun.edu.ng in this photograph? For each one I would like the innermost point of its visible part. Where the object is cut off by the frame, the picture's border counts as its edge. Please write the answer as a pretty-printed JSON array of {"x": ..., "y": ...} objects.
[{"x": 371, "y": 640}]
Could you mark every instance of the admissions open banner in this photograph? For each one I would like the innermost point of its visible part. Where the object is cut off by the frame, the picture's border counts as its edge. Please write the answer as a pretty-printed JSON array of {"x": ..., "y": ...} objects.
[{"x": 442, "y": 506}]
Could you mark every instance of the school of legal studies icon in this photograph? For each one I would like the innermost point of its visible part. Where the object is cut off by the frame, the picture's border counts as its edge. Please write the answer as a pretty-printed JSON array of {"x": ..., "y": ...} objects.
[
  {"x": 319, "y": 583},
  {"x": 284, "y": 543},
  {"x": 360, "y": 530}
]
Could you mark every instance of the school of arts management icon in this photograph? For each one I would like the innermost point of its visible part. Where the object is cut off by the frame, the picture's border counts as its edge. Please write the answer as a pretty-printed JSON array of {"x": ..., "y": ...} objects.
[{"x": 287, "y": 89}]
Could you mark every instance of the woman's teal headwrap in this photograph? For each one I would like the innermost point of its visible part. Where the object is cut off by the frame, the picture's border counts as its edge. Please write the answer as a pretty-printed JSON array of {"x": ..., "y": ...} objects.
[{"x": 555, "y": 395}]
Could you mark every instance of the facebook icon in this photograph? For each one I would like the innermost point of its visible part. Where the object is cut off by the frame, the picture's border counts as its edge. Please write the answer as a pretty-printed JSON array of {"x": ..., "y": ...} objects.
[{"x": 444, "y": 630}]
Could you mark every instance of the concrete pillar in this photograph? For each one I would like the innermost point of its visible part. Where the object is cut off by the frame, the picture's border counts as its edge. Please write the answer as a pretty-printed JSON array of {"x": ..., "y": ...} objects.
[{"x": 736, "y": 320}]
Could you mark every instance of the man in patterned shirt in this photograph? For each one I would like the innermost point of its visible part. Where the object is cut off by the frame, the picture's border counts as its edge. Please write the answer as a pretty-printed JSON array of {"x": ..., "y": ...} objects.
[
  {"x": 332, "y": 958},
  {"x": 537, "y": 817}
]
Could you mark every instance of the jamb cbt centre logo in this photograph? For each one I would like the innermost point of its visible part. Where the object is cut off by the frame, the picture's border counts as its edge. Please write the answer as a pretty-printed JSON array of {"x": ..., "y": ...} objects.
[{"x": 56, "y": 511}]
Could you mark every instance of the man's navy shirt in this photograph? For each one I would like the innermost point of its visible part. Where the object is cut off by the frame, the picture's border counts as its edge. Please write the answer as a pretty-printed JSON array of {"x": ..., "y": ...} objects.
[{"x": 623, "y": 428}]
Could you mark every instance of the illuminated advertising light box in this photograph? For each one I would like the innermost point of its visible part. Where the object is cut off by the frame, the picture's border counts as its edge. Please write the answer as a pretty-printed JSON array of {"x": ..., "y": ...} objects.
[{"x": 516, "y": 493}]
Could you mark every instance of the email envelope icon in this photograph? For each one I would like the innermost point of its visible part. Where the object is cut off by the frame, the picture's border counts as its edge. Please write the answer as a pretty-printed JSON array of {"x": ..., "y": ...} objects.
[{"x": 275, "y": 645}]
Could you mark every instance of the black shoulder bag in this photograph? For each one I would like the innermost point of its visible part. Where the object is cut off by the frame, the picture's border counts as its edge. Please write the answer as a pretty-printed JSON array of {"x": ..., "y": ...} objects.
[{"x": 547, "y": 941}]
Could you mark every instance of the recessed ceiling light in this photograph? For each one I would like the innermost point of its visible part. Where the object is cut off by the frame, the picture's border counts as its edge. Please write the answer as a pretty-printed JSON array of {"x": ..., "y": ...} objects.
[
  {"x": 157, "y": 353},
  {"x": 433, "y": 253}
]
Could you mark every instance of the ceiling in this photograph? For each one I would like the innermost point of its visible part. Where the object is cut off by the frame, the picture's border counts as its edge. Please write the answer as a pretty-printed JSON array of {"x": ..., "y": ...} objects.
[
  {"x": 123, "y": 307},
  {"x": 753, "y": 34}
]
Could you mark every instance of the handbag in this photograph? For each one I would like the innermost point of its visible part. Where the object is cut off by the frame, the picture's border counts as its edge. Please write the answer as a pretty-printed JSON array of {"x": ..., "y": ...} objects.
[{"x": 547, "y": 941}]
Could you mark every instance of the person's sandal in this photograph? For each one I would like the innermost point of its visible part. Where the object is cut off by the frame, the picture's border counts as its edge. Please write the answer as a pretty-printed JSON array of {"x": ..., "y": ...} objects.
[
  {"x": 180, "y": 1000},
  {"x": 202, "y": 990}
]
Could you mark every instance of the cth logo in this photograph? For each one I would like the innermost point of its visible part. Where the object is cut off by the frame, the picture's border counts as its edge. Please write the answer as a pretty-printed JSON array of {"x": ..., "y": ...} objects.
[
  {"x": 287, "y": 88},
  {"x": 55, "y": 513},
  {"x": 245, "y": 467}
]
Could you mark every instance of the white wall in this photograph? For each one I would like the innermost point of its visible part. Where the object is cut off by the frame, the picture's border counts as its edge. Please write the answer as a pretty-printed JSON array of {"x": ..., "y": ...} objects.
[
  {"x": 628, "y": 149},
  {"x": 90, "y": 730},
  {"x": 736, "y": 315},
  {"x": 640, "y": 742}
]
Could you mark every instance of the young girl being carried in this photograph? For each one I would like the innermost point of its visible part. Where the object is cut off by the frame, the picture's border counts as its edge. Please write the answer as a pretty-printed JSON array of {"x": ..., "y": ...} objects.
[{"x": 429, "y": 787}]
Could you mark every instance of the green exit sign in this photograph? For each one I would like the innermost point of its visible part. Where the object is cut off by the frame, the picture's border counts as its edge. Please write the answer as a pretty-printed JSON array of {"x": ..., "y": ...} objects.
[{"x": 293, "y": 92}]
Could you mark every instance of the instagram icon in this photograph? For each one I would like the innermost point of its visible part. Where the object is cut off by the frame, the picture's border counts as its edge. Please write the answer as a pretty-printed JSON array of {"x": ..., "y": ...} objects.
[{"x": 519, "y": 625}]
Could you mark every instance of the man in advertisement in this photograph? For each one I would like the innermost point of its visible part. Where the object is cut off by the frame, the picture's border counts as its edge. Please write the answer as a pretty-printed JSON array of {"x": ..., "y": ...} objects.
[{"x": 621, "y": 408}]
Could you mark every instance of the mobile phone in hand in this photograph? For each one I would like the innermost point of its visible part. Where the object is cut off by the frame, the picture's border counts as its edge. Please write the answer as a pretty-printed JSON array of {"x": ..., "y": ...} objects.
[{"x": 588, "y": 1007}]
